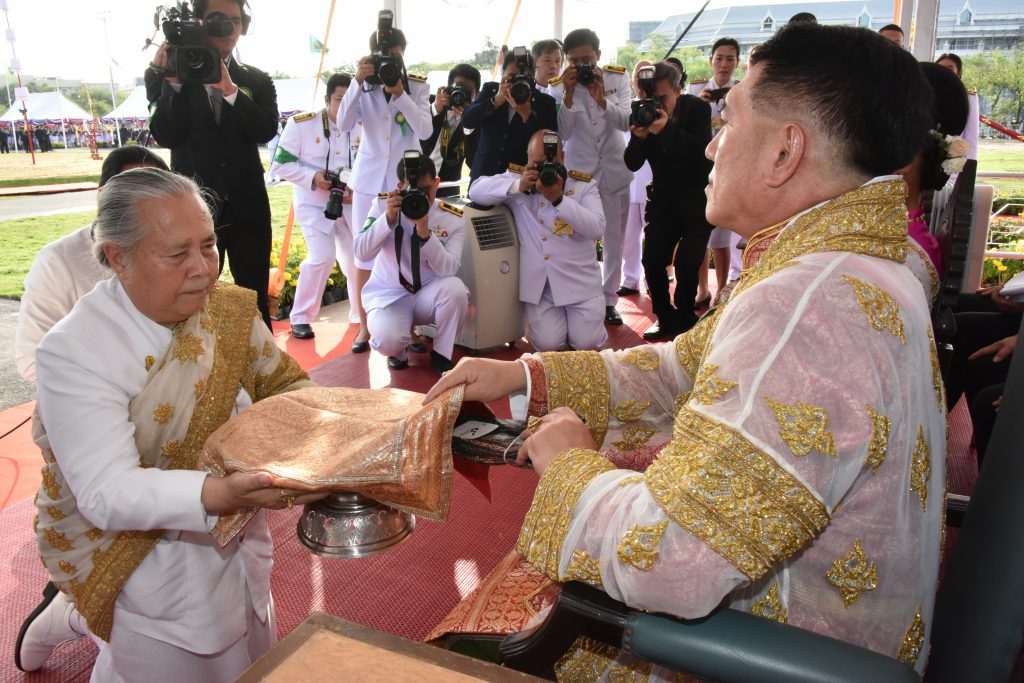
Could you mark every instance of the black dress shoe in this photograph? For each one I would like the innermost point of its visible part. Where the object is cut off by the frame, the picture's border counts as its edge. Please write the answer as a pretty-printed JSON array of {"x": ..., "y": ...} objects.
[
  {"x": 659, "y": 332},
  {"x": 360, "y": 347},
  {"x": 302, "y": 331},
  {"x": 703, "y": 303},
  {"x": 627, "y": 291},
  {"x": 397, "y": 363},
  {"x": 417, "y": 347},
  {"x": 611, "y": 316},
  {"x": 440, "y": 363}
]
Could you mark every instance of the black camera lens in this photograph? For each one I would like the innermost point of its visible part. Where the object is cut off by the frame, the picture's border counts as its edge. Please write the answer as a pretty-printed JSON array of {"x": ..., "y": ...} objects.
[
  {"x": 585, "y": 74},
  {"x": 197, "y": 64},
  {"x": 414, "y": 204},
  {"x": 458, "y": 96},
  {"x": 389, "y": 73},
  {"x": 520, "y": 92},
  {"x": 548, "y": 175},
  {"x": 333, "y": 207},
  {"x": 644, "y": 113}
]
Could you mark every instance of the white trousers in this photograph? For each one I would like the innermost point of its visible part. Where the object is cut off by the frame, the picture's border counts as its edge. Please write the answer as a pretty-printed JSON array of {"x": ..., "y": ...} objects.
[
  {"x": 632, "y": 246},
  {"x": 443, "y": 302},
  {"x": 722, "y": 238},
  {"x": 615, "y": 205},
  {"x": 323, "y": 249},
  {"x": 553, "y": 328},
  {"x": 361, "y": 205},
  {"x": 131, "y": 657}
]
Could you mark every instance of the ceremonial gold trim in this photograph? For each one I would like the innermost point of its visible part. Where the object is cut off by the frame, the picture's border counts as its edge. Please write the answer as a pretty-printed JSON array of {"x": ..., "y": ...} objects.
[
  {"x": 804, "y": 428},
  {"x": 879, "y": 440},
  {"x": 709, "y": 387},
  {"x": 717, "y": 485},
  {"x": 583, "y": 567},
  {"x": 187, "y": 347},
  {"x": 853, "y": 574},
  {"x": 163, "y": 413},
  {"x": 630, "y": 411},
  {"x": 881, "y": 308},
  {"x": 643, "y": 359},
  {"x": 587, "y": 660},
  {"x": 913, "y": 639},
  {"x": 937, "y": 385},
  {"x": 933, "y": 275},
  {"x": 920, "y": 468},
  {"x": 770, "y": 606},
  {"x": 692, "y": 345},
  {"x": 634, "y": 438},
  {"x": 638, "y": 548},
  {"x": 579, "y": 380}
]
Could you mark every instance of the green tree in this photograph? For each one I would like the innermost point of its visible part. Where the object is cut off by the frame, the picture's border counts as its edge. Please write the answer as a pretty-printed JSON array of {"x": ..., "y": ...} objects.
[
  {"x": 694, "y": 61},
  {"x": 999, "y": 80}
]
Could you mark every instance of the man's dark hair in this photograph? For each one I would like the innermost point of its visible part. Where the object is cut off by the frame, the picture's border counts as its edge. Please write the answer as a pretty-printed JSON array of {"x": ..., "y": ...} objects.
[
  {"x": 803, "y": 17},
  {"x": 581, "y": 36},
  {"x": 844, "y": 79},
  {"x": 663, "y": 70},
  {"x": 467, "y": 71},
  {"x": 949, "y": 117},
  {"x": 426, "y": 166},
  {"x": 955, "y": 58},
  {"x": 891, "y": 27},
  {"x": 397, "y": 40},
  {"x": 338, "y": 80},
  {"x": 510, "y": 58},
  {"x": 724, "y": 42},
  {"x": 126, "y": 156},
  {"x": 542, "y": 47},
  {"x": 199, "y": 6},
  {"x": 677, "y": 63}
]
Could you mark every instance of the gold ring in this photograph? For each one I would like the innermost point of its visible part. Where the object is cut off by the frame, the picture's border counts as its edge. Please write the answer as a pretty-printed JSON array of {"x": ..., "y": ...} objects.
[
  {"x": 286, "y": 497},
  {"x": 533, "y": 424}
]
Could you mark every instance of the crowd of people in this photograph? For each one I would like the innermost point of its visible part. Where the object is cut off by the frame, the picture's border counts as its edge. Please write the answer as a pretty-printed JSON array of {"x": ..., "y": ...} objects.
[
  {"x": 46, "y": 136},
  {"x": 783, "y": 454}
]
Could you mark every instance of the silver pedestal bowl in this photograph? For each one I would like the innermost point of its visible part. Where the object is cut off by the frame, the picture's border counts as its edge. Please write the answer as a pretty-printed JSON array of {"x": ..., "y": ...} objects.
[{"x": 350, "y": 525}]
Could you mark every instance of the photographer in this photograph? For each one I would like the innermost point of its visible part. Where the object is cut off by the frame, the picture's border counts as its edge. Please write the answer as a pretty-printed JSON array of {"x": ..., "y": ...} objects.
[
  {"x": 450, "y": 145},
  {"x": 214, "y": 132},
  {"x": 548, "y": 57},
  {"x": 315, "y": 156},
  {"x": 394, "y": 117},
  {"x": 506, "y": 124},
  {"x": 594, "y": 114},
  {"x": 558, "y": 218},
  {"x": 674, "y": 146},
  {"x": 414, "y": 244}
]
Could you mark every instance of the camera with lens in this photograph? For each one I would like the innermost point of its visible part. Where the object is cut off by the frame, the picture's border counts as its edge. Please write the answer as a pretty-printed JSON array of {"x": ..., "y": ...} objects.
[
  {"x": 522, "y": 82},
  {"x": 188, "y": 57},
  {"x": 644, "y": 111},
  {"x": 387, "y": 68},
  {"x": 550, "y": 169},
  {"x": 415, "y": 204},
  {"x": 459, "y": 95},
  {"x": 718, "y": 93},
  {"x": 339, "y": 181},
  {"x": 585, "y": 73}
]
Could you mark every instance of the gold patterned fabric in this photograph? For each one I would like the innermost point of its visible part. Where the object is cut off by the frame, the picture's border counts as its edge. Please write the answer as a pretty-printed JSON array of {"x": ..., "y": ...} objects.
[
  {"x": 770, "y": 606},
  {"x": 579, "y": 380},
  {"x": 587, "y": 660},
  {"x": 639, "y": 547},
  {"x": 853, "y": 574},
  {"x": 804, "y": 428}
]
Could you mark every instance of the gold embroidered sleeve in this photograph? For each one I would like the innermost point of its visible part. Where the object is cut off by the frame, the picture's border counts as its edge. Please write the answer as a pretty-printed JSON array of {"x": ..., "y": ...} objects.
[
  {"x": 579, "y": 380},
  {"x": 690, "y": 346},
  {"x": 717, "y": 485},
  {"x": 547, "y": 522},
  {"x": 280, "y": 378}
]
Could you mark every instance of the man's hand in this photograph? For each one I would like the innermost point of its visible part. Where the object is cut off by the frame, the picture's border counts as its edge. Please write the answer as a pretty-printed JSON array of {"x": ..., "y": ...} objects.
[
  {"x": 569, "y": 82},
  {"x": 225, "y": 84},
  {"x": 364, "y": 69},
  {"x": 659, "y": 123},
  {"x": 320, "y": 180},
  {"x": 239, "y": 490},
  {"x": 553, "y": 192},
  {"x": 422, "y": 231},
  {"x": 441, "y": 100},
  {"x": 394, "y": 207},
  {"x": 640, "y": 132},
  {"x": 485, "y": 379},
  {"x": 529, "y": 180},
  {"x": 160, "y": 62},
  {"x": 596, "y": 89},
  {"x": 504, "y": 95},
  {"x": 559, "y": 430},
  {"x": 705, "y": 95},
  {"x": 396, "y": 90},
  {"x": 999, "y": 351},
  {"x": 1002, "y": 302}
]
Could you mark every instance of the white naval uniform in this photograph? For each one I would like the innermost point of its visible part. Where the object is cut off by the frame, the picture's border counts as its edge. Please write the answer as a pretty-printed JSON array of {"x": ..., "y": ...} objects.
[
  {"x": 970, "y": 133},
  {"x": 721, "y": 238},
  {"x": 305, "y": 148},
  {"x": 62, "y": 272},
  {"x": 190, "y": 605},
  {"x": 443, "y": 299},
  {"x": 593, "y": 143},
  {"x": 384, "y": 139},
  {"x": 559, "y": 277},
  {"x": 632, "y": 247}
]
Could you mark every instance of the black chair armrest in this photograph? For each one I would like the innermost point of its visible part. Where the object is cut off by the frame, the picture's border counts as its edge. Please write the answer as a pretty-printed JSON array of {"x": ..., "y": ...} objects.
[{"x": 956, "y": 508}]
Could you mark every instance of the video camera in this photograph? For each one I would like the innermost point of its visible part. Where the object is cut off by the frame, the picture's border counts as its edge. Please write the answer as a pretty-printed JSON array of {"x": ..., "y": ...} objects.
[
  {"x": 415, "y": 204},
  {"x": 459, "y": 95},
  {"x": 339, "y": 181},
  {"x": 188, "y": 57},
  {"x": 644, "y": 111},
  {"x": 550, "y": 169},
  {"x": 522, "y": 82},
  {"x": 387, "y": 68}
]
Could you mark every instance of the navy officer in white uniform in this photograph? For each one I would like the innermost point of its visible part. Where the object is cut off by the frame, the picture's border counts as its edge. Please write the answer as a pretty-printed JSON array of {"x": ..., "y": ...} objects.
[
  {"x": 394, "y": 119},
  {"x": 559, "y": 276},
  {"x": 591, "y": 121},
  {"x": 414, "y": 265}
]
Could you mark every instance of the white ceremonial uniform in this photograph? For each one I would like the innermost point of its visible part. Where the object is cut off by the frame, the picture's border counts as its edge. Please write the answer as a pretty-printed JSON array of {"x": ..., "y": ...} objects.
[
  {"x": 390, "y": 127},
  {"x": 632, "y": 246},
  {"x": 559, "y": 278},
  {"x": 187, "y": 593},
  {"x": 721, "y": 238},
  {"x": 593, "y": 143},
  {"x": 970, "y": 133},
  {"x": 443, "y": 299},
  {"x": 311, "y": 142},
  {"x": 62, "y": 272}
]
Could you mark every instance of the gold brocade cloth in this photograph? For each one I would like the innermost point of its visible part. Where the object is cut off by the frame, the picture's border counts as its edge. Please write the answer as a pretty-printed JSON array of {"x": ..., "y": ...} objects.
[{"x": 380, "y": 443}]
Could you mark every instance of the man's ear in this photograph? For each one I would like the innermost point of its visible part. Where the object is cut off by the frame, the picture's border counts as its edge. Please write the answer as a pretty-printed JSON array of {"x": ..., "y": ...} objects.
[
  {"x": 790, "y": 152},
  {"x": 116, "y": 257}
]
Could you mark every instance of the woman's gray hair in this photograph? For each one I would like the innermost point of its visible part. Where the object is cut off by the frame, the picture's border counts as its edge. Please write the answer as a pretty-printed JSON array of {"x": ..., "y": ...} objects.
[{"x": 117, "y": 219}]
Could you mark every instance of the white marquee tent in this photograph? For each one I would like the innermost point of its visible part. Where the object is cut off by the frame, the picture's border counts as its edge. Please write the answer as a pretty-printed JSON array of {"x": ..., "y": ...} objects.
[
  {"x": 47, "y": 107},
  {"x": 135, "y": 108}
]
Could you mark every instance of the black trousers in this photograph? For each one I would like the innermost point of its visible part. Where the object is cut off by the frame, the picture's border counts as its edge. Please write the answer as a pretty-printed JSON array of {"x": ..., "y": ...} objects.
[
  {"x": 667, "y": 234},
  {"x": 247, "y": 246}
]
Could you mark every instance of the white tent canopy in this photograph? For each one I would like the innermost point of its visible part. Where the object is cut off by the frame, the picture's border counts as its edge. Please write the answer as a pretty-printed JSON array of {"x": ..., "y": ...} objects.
[
  {"x": 135, "y": 108},
  {"x": 47, "y": 107},
  {"x": 296, "y": 94}
]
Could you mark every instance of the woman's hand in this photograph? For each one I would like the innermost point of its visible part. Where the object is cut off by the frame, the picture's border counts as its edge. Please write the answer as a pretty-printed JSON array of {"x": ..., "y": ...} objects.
[
  {"x": 485, "y": 380},
  {"x": 239, "y": 490},
  {"x": 999, "y": 351},
  {"x": 559, "y": 431}
]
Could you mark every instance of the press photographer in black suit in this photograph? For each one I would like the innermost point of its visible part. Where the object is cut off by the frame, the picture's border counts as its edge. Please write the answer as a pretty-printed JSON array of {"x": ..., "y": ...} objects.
[
  {"x": 674, "y": 145},
  {"x": 214, "y": 132}
]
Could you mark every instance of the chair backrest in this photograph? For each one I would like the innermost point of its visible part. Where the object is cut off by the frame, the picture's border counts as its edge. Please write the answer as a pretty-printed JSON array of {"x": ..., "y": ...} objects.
[{"x": 979, "y": 614}]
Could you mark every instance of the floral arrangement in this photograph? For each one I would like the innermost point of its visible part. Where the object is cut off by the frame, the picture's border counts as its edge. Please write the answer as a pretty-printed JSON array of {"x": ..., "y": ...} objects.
[
  {"x": 296, "y": 254},
  {"x": 955, "y": 150}
]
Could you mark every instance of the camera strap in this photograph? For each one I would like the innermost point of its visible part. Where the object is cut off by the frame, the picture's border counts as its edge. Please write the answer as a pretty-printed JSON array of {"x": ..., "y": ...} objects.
[
  {"x": 414, "y": 259},
  {"x": 327, "y": 136}
]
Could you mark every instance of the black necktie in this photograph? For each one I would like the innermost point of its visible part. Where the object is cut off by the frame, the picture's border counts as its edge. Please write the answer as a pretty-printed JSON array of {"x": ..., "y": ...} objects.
[{"x": 414, "y": 259}]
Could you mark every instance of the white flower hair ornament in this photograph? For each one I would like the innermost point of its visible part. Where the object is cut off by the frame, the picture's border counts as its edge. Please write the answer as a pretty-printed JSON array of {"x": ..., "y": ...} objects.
[{"x": 955, "y": 150}]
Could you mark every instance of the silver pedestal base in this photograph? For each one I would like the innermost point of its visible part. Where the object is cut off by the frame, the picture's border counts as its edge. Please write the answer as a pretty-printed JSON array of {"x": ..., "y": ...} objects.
[{"x": 350, "y": 525}]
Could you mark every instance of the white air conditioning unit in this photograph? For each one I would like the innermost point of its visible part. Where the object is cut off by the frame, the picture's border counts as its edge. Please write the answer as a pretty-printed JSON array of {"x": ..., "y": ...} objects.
[{"x": 490, "y": 270}]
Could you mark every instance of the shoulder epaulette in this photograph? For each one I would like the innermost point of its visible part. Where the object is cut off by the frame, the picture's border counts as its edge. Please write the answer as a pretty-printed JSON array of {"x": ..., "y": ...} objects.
[
  {"x": 580, "y": 175},
  {"x": 299, "y": 118},
  {"x": 696, "y": 81},
  {"x": 415, "y": 77},
  {"x": 382, "y": 195},
  {"x": 450, "y": 209},
  {"x": 614, "y": 68},
  {"x": 554, "y": 81},
  {"x": 972, "y": 91},
  {"x": 516, "y": 168}
]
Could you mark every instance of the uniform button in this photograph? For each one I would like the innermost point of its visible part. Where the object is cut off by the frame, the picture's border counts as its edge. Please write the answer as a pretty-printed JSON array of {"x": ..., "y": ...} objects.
[
  {"x": 544, "y": 238},
  {"x": 597, "y": 139},
  {"x": 546, "y": 257},
  {"x": 542, "y": 203},
  {"x": 542, "y": 222},
  {"x": 594, "y": 123},
  {"x": 387, "y": 137},
  {"x": 385, "y": 117}
]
